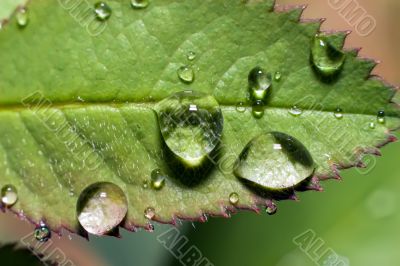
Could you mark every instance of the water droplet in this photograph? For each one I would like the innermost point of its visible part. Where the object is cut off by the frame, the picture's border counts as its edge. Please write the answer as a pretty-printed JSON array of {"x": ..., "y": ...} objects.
[
  {"x": 258, "y": 109},
  {"x": 139, "y": 4},
  {"x": 102, "y": 11},
  {"x": 157, "y": 179},
  {"x": 9, "y": 195},
  {"x": 191, "y": 125},
  {"x": 274, "y": 161},
  {"x": 372, "y": 125},
  {"x": 191, "y": 56},
  {"x": 326, "y": 58},
  {"x": 145, "y": 184},
  {"x": 234, "y": 198},
  {"x": 381, "y": 117},
  {"x": 259, "y": 84},
  {"x": 240, "y": 107},
  {"x": 22, "y": 17},
  {"x": 42, "y": 233},
  {"x": 101, "y": 207},
  {"x": 278, "y": 76},
  {"x": 271, "y": 208},
  {"x": 295, "y": 111},
  {"x": 149, "y": 213},
  {"x": 186, "y": 74},
  {"x": 338, "y": 113}
]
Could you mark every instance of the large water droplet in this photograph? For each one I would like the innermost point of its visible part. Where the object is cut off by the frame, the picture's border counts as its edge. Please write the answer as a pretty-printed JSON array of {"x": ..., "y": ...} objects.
[
  {"x": 9, "y": 195},
  {"x": 233, "y": 198},
  {"x": 274, "y": 161},
  {"x": 338, "y": 113},
  {"x": 157, "y": 179},
  {"x": 326, "y": 58},
  {"x": 259, "y": 84},
  {"x": 139, "y": 4},
  {"x": 191, "y": 125},
  {"x": 149, "y": 213},
  {"x": 186, "y": 74},
  {"x": 102, "y": 11},
  {"x": 381, "y": 117},
  {"x": 22, "y": 17},
  {"x": 101, "y": 207},
  {"x": 42, "y": 233}
]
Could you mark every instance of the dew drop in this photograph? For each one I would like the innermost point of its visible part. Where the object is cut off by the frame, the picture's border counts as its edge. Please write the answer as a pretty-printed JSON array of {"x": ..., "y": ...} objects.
[
  {"x": 102, "y": 11},
  {"x": 191, "y": 125},
  {"x": 149, "y": 213},
  {"x": 145, "y": 184},
  {"x": 295, "y": 111},
  {"x": 372, "y": 125},
  {"x": 240, "y": 107},
  {"x": 9, "y": 195},
  {"x": 278, "y": 76},
  {"x": 274, "y": 161},
  {"x": 338, "y": 113},
  {"x": 42, "y": 233},
  {"x": 22, "y": 17},
  {"x": 233, "y": 198},
  {"x": 157, "y": 179},
  {"x": 191, "y": 56},
  {"x": 139, "y": 4},
  {"x": 325, "y": 57},
  {"x": 101, "y": 207},
  {"x": 186, "y": 74},
  {"x": 381, "y": 117},
  {"x": 271, "y": 208},
  {"x": 258, "y": 109},
  {"x": 259, "y": 84}
]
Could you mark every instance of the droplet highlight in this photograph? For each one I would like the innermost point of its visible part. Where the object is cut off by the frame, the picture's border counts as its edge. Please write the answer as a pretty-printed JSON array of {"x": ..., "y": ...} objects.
[
  {"x": 102, "y": 11},
  {"x": 186, "y": 74},
  {"x": 139, "y": 4},
  {"x": 326, "y": 58},
  {"x": 22, "y": 17},
  {"x": 42, "y": 233},
  {"x": 274, "y": 161},
  {"x": 338, "y": 113},
  {"x": 233, "y": 198},
  {"x": 9, "y": 195},
  {"x": 371, "y": 125},
  {"x": 101, "y": 207},
  {"x": 191, "y": 125},
  {"x": 157, "y": 179},
  {"x": 149, "y": 213}
]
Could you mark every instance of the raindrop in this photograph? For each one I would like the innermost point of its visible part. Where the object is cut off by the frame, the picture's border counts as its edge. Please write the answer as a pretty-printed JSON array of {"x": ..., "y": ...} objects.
[
  {"x": 338, "y": 113},
  {"x": 157, "y": 179},
  {"x": 295, "y": 111},
  {"x": 372, "y": 125},
  {"x": 186, "y": 74},
  {"x": 191, "y": 56},
  {"x": 101, "y": 207},
  {"x": 22, "y": 17},
  {"x": 139, "y": 4},
  {"x": 191, "y": 125},
  {"x": 259, "y": 84},
  {"x": 102, "y": 11},
  {"x": 240, "y": 107},
  {"x": 233, "y": 198},
  {"x": 9, "y": 195},
  {"x": 274, "y": 161},
  {"x": 149, "y": 213},
  {"x": 258, "y": 109},
  {"x": 42, "y": 233},
  {"x": 325, "y": 57},
  {"x": 381, "y": 117},
  {"x": 278, "y": 76}
]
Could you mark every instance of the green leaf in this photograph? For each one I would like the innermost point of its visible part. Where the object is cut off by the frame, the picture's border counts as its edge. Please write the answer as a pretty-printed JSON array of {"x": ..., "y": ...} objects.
[{"x": 78, "y": 97}]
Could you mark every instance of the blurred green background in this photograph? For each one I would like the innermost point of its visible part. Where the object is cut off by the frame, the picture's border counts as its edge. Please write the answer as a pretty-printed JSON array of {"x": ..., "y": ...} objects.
[{"x": 358, "y": 218}]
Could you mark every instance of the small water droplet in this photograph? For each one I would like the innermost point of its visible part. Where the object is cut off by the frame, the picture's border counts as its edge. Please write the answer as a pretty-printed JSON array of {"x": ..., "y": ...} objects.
[
  {"x": 381, "y": 117},
  {"x": 233, "y": 198},
  {"x": 240, "y": 107},
  {"x": 191, "y": 125},
  {"x": 259, "y": 84},
  {"x": 278, "y": 76},
  {"x": 186, "y": 74},
  {"x": 145, "y": 184},
  {"x": 295, "y": 111},
  {"x": 22, "y": 17},
  {"x": 258, "y": 109},
  {"x": 139, "y": 4},
  {"x": 101, "y": 207},
  {"x": 372, "y": 125},
  {"x": 271, "y": 208},
  {"x": 102, "y": 11},
  {"x": 149, "y": 213},
  {"x": 191, "y": 56},
  {"x": 274, "y": 161},
  {"x": 338, "y": 113},
  {"x": 157, "y": 179},
  {"x": 9, "y": 195},
  {"x": 42, "y": 233},
  {"x": 326, "y": 58}
]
